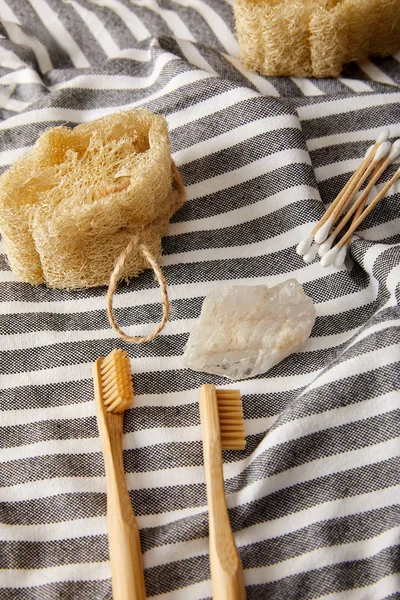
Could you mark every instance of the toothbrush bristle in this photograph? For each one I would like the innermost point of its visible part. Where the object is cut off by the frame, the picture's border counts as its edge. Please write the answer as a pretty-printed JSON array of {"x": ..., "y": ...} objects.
[
  {"x": 116, "y": 381},
  {"x": 231, "y": 421}
]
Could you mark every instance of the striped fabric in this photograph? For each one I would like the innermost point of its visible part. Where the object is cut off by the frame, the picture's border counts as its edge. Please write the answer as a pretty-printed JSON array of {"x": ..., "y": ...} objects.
[{"x": 313, "y": 500}]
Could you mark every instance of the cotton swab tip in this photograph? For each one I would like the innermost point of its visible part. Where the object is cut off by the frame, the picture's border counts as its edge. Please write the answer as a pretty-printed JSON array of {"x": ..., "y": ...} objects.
[
  {"x": 395, "y": 151},
  {"x": 340, "y": 257},
  {"x": 323, "y": 231},
  {"x": 369, "y": 150},
  {"x": 304, "y": 246},
  {"x": 329, "y": 257},
  {"x": 382, "y": 151},
  {"x": 311, "y": 254},
  {"x": 383, "y": 136},
  {"x": 326, "y": 246}
]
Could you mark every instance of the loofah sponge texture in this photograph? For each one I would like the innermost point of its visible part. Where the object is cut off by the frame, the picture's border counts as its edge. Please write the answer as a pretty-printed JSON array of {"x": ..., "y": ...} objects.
[
  {"x": 69, "y": 209},
  {"x": 314, "y": 37}
]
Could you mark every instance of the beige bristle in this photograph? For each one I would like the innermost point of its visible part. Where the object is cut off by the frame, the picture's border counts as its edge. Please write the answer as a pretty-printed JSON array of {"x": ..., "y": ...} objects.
[
  {"x": 116, "y": 381},
  {"x": 231, "y": 421}
]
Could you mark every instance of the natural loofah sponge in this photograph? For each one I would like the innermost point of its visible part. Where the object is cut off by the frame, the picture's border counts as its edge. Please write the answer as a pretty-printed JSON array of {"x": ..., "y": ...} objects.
[
  {"x": 70, "y": 208},
  {"x": 314, "y": 37}
]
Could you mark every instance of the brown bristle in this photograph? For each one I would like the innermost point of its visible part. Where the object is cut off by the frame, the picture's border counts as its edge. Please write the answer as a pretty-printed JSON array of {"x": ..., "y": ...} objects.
[
  {"x": 231, "y": 421},
  {"x": 116, "y": 381}
]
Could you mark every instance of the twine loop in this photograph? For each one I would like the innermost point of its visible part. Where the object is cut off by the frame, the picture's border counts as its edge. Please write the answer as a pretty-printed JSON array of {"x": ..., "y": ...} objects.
[{"x": 116, "y": 275}]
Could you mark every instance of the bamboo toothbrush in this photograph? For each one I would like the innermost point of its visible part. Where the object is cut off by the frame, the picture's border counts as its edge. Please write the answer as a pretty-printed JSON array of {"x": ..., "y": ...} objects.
[
  {"x": 222, "y": 428},
  {"x": 114, "y": 394}
]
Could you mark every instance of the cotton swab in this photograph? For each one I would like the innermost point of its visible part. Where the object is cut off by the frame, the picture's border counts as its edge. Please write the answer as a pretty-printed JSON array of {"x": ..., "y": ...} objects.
[
  {"x": 340, "y": 257},
  {"x": 311, "y": 254},
  {"x": 369, "y": 208},
  {"x": 333, "y": 255},
  {"x": 394, "y": 153},
  {"x": 380, "y": 154},
  {"x": 305, "y": 244}
]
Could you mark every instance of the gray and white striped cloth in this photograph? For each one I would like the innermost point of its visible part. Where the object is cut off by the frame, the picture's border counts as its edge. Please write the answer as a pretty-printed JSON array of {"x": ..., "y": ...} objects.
[{"x": 313, "y": 500}]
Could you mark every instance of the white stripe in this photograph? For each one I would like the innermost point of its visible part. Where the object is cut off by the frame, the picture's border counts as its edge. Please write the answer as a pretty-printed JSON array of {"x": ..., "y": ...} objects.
[
  {"x": 322, "y": 557},
  {"x": 24, "y": 578},
  {"x": 357, "y": 85},
  {"x": 193, "y": 475},
  {"x": 307, "y": 87},
  {"x": 215, "y": 23},
  {"x": 144, "y": 438},
  {"x": 244, "y": 214},
  {"x": 322, "y": 467},
  {"x": 16, "y": 105},
  {"x": 306, "y": 273},
  {"x": 235, "y": 136},
  {"x": 263, "y": 165},
  {"x": 97, "y": 29},
  {"x": 83, "y": 116},
  {"x": 155, "y": 436},
  {"x": 134, "y": 54},
  {"x": 209, "y": 107},
  {"x": 375, "y": 73},
  {"x": 315, "y": 559},
  {"x": 345, "y": 105},
  {"x": 386, "y": 585},
  {"x": 117, "y": 82},
  {"x": 137, "y": 28},
  {"x": 194, "y": 56},
  {"x": 344, "y": 507},
  {"x": 22, "y": 76},
  {"x": 197, "y": 590},
  {"x": 333, "y": 509},
  {"x": 9, "y": 60},
  {"x": 350, "y": 136},
  {"x": 172, "y": 19},
  {"x": 18, "y": 36},
  {"x": 57, "y": 30},
  {"x": 263, "y": 85},
  {"x": 6, "y": 14},
  {"x": 7, "y": 157},
  {"x": 5, "y": 94}
]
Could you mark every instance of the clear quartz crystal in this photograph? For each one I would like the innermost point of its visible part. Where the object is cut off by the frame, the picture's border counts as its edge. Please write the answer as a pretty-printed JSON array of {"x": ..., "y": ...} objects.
[{"x": 245, "y": 330}]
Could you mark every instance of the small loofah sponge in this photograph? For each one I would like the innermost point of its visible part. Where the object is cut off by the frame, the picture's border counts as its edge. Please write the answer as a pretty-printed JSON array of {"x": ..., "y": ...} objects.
[
  {"x": 314, "y": 38},
  {"x": 70, "y": 208}
]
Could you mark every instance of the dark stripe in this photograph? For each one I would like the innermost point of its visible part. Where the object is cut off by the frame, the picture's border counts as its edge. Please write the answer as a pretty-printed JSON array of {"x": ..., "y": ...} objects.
[
  {"x": 239, "y": 155},
  {"x": 35, "y": 27},
  {"x": 72, "y": 353},
  {"x": 226, "y": 119},
  {"x": 323, "y": 534},
  {"x": 78, "y": 590},
  {"x": 389, "y": 66},
  {"x": 328, "y": 287},
  {"x": 185, "y": 308},
  {"x": 333, "y": 578},
  {"x": 306, "y": 585},
  {"x": 281, "y": 457},
  {"x": 344, "y": 484},
  {"x": 295, "y": 404},
  {"x": 79, "y": 32},
  {"x": 354, "y": 120}
]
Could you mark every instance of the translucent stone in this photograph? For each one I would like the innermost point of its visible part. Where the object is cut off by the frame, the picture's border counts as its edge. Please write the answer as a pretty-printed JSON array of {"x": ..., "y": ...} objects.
[{"x": 245, "y": 330}]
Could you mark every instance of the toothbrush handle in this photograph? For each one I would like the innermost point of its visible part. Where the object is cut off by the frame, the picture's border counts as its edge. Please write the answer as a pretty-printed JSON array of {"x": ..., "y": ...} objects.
[
  {"x": 123, "y": 532},
  {"x": 125, "y": 558},
  {"x": 226, "y": 568}
]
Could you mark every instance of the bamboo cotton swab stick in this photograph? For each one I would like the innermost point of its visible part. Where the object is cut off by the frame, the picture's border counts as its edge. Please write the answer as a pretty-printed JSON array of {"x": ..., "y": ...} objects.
[
  {"x": 332, "y": 256},
  {"x": 394, "y": 153},
  {"x": 305, "y": 244},
  {"x": 323, "y": 231}
]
